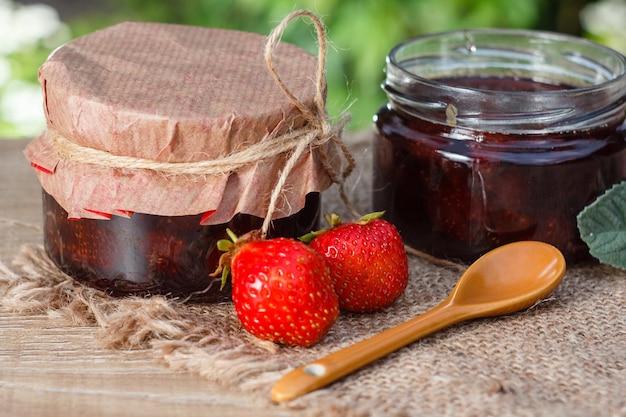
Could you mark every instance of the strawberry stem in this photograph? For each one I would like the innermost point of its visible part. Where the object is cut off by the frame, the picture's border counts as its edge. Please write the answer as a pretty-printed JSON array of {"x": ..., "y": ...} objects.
[
  {"x": 333, "y": 220},
  {"x": 232, "y": 235},
  {"x": 311, "y": 235},
  {"x": 371, "y": 216},
  {"x": 230, "y": 246}
]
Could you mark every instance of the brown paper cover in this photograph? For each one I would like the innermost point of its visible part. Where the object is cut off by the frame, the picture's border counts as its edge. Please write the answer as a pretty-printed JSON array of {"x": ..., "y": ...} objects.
[{"x": 172, "y": 93}]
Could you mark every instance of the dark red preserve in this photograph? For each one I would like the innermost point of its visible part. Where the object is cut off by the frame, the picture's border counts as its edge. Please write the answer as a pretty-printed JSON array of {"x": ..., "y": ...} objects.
[
  {"x": 495, "y": 136},
  {"x": 150, "y": 255}
]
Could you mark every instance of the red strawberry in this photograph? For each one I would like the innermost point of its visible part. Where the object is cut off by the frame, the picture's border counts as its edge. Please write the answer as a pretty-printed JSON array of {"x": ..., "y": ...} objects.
[
  {"x": 281, "y": 290},
  {"x": 367, "y": 262}
]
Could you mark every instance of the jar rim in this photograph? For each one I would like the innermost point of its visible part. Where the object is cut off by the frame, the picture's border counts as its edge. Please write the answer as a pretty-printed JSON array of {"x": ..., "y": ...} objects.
[{"x": 593, "y": 78}]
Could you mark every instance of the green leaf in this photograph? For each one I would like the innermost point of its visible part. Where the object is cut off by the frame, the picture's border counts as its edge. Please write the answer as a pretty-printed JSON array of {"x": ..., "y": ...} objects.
[
  {"x": 602, "y": 226},
  {"x": 225, "y": 273},
  {"x": 224, "y": 245}
]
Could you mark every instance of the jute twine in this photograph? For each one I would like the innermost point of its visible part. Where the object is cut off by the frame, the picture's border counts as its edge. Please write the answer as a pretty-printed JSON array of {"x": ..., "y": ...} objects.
[
  {"x": 320, "y": 127},
  {"x": 318, "y": 131}
]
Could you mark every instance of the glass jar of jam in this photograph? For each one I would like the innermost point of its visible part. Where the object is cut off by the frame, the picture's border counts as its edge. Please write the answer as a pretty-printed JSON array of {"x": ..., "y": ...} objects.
[
  {"x": 492, "y": 136},
  {"x": 136, "y": 115}
]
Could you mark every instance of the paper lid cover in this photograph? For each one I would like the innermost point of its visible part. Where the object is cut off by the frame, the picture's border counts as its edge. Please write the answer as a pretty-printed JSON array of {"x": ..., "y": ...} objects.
[{"x": 172, "y": 94}]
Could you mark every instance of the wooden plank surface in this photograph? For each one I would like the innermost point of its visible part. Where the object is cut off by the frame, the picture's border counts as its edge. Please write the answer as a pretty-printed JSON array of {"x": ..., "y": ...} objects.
[{"x": 49, "y": 369}]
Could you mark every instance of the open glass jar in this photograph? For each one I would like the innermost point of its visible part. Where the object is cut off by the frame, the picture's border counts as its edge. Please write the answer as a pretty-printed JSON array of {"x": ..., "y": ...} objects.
[
  {"x": 492, "y": 136},
  {"x": 160, "y": 137}
]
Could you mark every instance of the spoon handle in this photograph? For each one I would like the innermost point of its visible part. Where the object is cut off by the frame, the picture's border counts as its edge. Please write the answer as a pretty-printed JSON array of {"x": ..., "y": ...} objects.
[{"x": 328, "y": 369}]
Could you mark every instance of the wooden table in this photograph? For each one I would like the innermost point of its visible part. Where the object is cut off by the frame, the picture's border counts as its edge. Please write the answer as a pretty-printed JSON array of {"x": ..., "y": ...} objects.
[{"x": 54, "y": 370}]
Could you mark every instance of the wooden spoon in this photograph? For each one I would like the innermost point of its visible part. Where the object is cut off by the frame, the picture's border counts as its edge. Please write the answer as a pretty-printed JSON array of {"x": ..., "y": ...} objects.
[{"x": 507, "y": 279}]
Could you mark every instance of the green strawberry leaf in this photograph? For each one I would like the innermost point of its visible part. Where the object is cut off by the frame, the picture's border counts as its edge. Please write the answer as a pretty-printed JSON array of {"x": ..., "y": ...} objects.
[
  {"x": 602, "y": 226},
  {"x": 225, "y": 273}
]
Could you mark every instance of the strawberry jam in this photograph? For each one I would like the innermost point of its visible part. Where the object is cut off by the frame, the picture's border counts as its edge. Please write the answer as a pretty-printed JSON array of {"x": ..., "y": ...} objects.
[
  {"x": 148, "y": 255},
  {"x": 465, "y": 162}
]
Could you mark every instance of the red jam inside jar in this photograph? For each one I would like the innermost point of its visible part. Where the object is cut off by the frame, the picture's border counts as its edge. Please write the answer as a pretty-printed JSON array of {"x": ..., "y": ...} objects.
[
  {"x": 469, "y": 157},
  {"x": 154, "y": 255}
]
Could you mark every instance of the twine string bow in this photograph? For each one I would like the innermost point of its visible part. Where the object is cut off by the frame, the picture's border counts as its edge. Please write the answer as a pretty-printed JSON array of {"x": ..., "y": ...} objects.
[{"x": 320, "y": 130}]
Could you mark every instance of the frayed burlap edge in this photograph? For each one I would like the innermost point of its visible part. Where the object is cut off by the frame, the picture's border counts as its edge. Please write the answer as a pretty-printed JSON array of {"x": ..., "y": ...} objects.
[
  {"x": 565, "y": 353},
  {"x": 204, "y": 339}
]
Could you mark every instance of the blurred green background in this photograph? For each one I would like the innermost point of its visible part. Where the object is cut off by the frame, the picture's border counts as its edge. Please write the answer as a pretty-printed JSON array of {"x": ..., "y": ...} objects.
[{"x": 361, "y": 33}]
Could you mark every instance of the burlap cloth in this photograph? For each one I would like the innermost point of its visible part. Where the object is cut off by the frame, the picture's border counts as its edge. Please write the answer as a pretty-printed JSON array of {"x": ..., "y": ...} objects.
[{"x": 566, "y": 356}]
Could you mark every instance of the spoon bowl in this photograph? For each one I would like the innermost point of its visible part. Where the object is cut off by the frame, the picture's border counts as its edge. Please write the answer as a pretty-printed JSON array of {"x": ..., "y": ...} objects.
[
  {"x": 505, "y": 280},
  {"x": 509, "y": 278}
]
